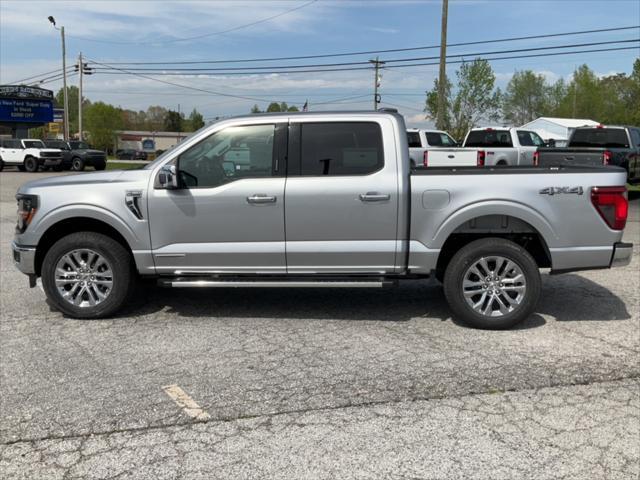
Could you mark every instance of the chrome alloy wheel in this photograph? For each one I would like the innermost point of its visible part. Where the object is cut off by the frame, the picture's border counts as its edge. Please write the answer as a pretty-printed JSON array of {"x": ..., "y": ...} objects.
[
  {"x": 494, "y": 286},
  {"x": 84, "y": 278}
]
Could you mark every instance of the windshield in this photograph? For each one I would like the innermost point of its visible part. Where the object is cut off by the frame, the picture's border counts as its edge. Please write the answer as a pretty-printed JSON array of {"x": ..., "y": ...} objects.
[
  {"x": 600, "y": 138},
  {"x": 56, "y": 144},
  {"x": 163, "y": 155},
  {"x": 33, "y": 144},
  {"x": 79, "y": 145},
  {"x": 489, "y": 138}
]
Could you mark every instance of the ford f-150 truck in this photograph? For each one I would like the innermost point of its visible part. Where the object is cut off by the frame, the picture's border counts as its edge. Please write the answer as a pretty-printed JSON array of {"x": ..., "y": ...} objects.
[
  {"x": 489, "y": 146},
  {"x": 28, "y": 154},
  {"x": 599, "y": 145},
  {"x": 320, "y": 200},
  {"x": 422, "y": 140}
]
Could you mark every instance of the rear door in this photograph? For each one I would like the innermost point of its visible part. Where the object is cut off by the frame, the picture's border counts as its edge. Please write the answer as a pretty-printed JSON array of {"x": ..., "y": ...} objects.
[
  {"x": 341, "y": 196},
  {"x": 529, "y": 142}
]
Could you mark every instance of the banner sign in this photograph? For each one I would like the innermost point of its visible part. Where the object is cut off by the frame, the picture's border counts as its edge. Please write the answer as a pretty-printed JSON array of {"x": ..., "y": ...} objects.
[
  {"x": 23, "y": 91},
  {"x": 32, "y": 111}
]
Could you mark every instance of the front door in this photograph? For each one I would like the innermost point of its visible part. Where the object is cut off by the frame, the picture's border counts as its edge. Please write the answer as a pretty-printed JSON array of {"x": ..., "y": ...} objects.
[
  {"x": 341, "y": 198},
  {"x": 228, "y": 215}
]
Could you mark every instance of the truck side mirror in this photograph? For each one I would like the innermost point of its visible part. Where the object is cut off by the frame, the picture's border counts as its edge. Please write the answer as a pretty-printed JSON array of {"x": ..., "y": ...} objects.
[{"x": 168, "y": 177}]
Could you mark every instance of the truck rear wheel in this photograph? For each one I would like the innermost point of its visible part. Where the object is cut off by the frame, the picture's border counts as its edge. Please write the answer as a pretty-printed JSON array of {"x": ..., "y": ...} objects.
[
  {"x": 87, "y": 275},
  {"x": 492, "y": 284},
  {"x": 31, "y": 164}
]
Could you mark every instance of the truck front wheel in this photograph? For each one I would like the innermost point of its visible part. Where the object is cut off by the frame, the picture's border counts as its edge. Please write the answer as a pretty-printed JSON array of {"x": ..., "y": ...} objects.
[
  {"x": 492, "y": 283},
  {"x": 31, "y": 164},
  {"x": 77, "y": 164},
  {"x": 87, "y": 275}
]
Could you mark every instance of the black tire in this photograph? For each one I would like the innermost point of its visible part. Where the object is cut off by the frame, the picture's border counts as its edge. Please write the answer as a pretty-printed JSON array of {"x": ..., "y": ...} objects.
[
  {"x": 99, "y": 165},
  {"x": 1, "y": 165},
  {"x": 121, "y": 266},
  {"x": 471, "y": 253},
  {"x": 31, "y": 164},
  {"x": 77, "y": 164}
]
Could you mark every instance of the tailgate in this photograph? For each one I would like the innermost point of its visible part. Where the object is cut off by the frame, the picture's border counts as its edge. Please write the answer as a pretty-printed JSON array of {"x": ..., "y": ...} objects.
[
  {"x": 452, "y": 157},
  {"x": 571, "y": 156}
]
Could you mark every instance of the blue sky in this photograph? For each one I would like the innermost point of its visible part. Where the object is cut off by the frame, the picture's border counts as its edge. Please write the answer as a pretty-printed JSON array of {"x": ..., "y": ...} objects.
[{"x": 146, "y": 30}]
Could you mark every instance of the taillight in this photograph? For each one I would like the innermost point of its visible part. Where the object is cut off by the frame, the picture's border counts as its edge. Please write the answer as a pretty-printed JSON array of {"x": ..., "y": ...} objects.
[
  {"x": 480, "y": 158},
  {"x": 612, "y": 205},
  {"x": 606, "y": 157},
  {"x": 425, "y": 159},
  {"x": 536, "y": 158}
]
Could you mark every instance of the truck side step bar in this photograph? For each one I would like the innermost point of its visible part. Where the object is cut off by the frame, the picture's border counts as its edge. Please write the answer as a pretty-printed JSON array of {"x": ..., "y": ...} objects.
[{"x": 275, "y": 283}]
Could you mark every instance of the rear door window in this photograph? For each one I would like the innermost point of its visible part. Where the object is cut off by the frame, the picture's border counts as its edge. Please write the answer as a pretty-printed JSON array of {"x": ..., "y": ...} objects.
[
  {"x": 599, "y": 138},
  {"x": 529, "y": 139},
  {"x": 489, "y": 138},
  {"x": 340, "y": 148},
  {"x": 439, "y": 139},
  {"x": 414, "y": 139}
]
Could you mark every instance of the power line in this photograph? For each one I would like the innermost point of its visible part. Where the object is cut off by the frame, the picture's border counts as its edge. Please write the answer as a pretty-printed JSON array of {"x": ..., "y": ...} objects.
[
  {"x": 108, "y": 71},
  {"x": 396, "y": 60},
  {"x": 391, "y": 50},
  {"x": 185, "y": 39}
]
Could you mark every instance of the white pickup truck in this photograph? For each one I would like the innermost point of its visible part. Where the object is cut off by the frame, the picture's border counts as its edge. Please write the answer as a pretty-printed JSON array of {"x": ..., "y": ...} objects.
[
  {"x": 29, "y": 155},
  {"x": 421, "y": 141},
  {"x": 488, "y": 147}
]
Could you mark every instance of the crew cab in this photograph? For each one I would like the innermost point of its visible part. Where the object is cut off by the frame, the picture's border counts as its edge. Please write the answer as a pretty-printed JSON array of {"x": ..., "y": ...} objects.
[
  {"x": 78, "y": 154},
  {"x": 28, "y": 154},
  {"x": 599, "y": 145},
  {"x": 422, "y": 140},
  {"x": 320, "y": 199}
]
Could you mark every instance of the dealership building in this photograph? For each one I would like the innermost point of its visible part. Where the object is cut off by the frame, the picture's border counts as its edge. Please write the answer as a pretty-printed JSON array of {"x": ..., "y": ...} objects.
[{"x": 22, "y": 108}]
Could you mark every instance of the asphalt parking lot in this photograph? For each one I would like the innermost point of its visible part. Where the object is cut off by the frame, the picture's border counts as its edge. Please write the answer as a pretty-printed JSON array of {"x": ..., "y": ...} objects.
[{"x": 320, "y": 383}]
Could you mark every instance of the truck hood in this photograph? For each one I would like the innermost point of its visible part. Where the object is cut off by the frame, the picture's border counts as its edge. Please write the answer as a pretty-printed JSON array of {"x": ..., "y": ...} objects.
[
  {"x": 86, "y": 179},
  {"x": 89, "y": 151}
]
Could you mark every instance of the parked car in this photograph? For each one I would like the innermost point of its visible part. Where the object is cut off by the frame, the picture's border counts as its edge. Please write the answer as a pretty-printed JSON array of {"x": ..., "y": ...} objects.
[
  {"x": 29, "y": 154},
  {"x": 77, "y": 155},
  {"x": 355, "y": 217},
  {"x": 600, "y": 145},
  {"x": 488, "y": 147},
  {"x": 131, "y": 154},
  {"x": 422, "y": 140}
]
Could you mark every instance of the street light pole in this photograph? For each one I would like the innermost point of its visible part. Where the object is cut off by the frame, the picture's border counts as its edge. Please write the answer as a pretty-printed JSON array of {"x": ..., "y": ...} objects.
[
  {"x": 442, "y": 77},
  {"x": 64, "y": 80}
]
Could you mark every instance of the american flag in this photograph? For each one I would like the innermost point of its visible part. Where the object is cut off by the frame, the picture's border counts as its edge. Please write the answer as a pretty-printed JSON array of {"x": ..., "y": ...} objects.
[{"x": 305, "y": 107}]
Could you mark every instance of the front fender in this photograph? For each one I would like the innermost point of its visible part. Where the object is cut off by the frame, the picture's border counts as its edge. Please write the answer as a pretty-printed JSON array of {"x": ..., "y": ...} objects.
[
  {"x": 52, "y": 217},
  {"x": 496, "y": 207}
]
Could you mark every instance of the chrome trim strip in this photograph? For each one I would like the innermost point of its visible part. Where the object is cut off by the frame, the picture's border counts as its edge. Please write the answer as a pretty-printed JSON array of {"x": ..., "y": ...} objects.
[{"x": 273, "y": 284}]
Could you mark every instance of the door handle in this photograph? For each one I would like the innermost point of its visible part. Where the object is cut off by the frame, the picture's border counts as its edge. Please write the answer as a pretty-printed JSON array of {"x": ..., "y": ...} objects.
[
  {"x": 260, "y": 198},
  {"x": 374, "y": 197}
]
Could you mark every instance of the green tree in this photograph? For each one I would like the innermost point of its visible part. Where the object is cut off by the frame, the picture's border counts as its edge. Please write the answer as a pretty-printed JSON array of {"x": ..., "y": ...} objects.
[
  {"x": 279, "y": 107},
  {"x": 555, "y": 98},
  {"x": 274, "y": 107},
  {"x": 155, "y": 117},
  {"x": 584, "y": 97},
  {"x": 256, "y": 109},
  {"x": 101, "y": 121},
  {"x": 173, "y": 121},
  {"x": 475, "y": 98},
  {"x": 525, "y": 97},
  {"x": 431, "y": 107},
  {"x": 72, "y": 98},
  {"x": 196, "y": 120},
  {"x": 634, "y": 94}
]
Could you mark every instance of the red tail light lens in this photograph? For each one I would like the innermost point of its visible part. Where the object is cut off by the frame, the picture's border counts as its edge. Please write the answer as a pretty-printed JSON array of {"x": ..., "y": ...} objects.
[
  {"x": 606, "y": 157},
  {"x": 480, "y": 160},
  {"x": 536, "y": 158},
  {"x": 612, "y": 205},
  {"x": 425, "y": 159}
]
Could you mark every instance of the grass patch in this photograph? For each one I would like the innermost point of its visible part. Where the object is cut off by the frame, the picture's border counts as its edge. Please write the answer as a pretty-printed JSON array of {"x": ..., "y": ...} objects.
[
  {"x": 633, "y": 188},
  {"x": 124, "y": 166}
]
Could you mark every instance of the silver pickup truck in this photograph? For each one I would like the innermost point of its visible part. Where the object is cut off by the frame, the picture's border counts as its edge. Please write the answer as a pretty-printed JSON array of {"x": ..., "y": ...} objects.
[{"x": 317, "y": 200}]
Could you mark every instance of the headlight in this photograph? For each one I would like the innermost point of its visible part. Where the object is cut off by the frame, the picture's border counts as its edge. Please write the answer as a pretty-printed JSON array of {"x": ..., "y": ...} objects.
[{"x": 27, "y": 207}]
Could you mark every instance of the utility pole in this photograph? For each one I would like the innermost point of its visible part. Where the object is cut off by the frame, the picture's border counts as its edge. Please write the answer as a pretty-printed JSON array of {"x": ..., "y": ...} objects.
[
  {"x": 64, "y": 86},
  {"x": 442, "y": 78},
  {"x": 376, "y": 81},
  {"x": 80, "y": 72}
]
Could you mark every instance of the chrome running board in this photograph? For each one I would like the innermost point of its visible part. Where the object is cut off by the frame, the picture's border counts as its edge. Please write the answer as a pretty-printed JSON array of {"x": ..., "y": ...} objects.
[{"x": 219, "y": 283}]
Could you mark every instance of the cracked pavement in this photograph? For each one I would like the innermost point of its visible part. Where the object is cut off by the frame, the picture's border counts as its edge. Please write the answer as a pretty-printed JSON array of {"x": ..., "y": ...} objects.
[{"x": 321, "y": 383}]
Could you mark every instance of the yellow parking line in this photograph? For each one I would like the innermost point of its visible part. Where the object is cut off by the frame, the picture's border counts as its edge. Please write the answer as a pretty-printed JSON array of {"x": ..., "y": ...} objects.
[{"x": 185, "y": 402}]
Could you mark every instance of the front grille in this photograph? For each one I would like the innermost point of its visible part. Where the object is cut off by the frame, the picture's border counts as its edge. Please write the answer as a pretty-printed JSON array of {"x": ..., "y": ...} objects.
[{"x": 50, "y": 155}]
